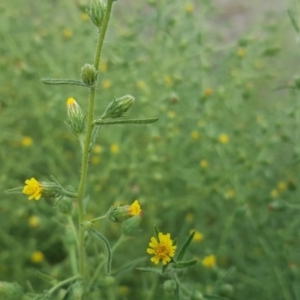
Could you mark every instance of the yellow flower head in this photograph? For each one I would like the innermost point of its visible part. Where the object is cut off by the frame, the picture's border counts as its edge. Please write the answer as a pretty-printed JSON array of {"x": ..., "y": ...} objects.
[
  {"x": 195, "y": 135},
  {"x": 241, "y": 52},
  {"x": 26, "y": 141},
  {"x": 203, "y": 164},
  {"x": 208, "y": 91},
  {"x": 135, "y": 208},
  {"x": 37, "y": 257},
  {"x": 106, "y": 84},
  {"x": 198, "y": 237},
  {"x": 282, "y": 186},
  {"x": 224, "y": 138},
  {"x": 162, "y": 249},
  {"x": 114, "y": 148},
  {"x": 209, "y": 261},
  {"x": 189, "y": 8},
  {"x": 67, "y": 33},
  {"x": 33, "y": 188},
  {"x": 34, "y": 221}
]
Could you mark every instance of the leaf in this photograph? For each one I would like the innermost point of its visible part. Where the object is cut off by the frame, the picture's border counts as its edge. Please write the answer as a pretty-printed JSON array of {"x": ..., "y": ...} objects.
[
  {"x": 185, "y": 246},
  {"x": 47, "y": 278},
  {"x": 129, "y": 266},
  {"x": 156, "y": 232},
  {"x": 56, "y": 81},
  {"x": 293, "y": 20},
  {"x": 126, "y": 122},
  {"x": 150, "y": 270},
  {"x": 215, "y": 297},
  {"x": 184, "y": 264},
  {"x": 107, "y": 246}
]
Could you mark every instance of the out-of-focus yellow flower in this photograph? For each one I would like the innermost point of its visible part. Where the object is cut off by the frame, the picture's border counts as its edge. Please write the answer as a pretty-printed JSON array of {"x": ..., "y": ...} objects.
[
  {"x": 230, "y": 194},
  {"x": 135, "y": 208},
  {"x": 84, "y": 16},
  {"x": 103, "y": 67},
  {"x": 223, "y": 138},
  {"x": 124, "y": 290},
  {"x": 162, "y": 249},
  {"x": 282, "y": 186},
  {"x": 189, "y": 217},
  {"x": 168, "y": 80},
  {"x": 189, "y": 8},
  {"x": 171, "y": 114},
  {"x": 114, "y": 148},
  {"x": 37, "y": 257},
  {"x": 198, "y": 237},
  {"x": 209, "y": 261},
  {"x": 195, "y": 135},
  {"x": 208, "y": 91},
  {"x": 95, "y": 160},
  {"x": 33, "y": 188},
  {"x": 203, "y": 164},
  {"x": 106, "y": 84},
  {"x": 26, "y": 141},
  {"x": 34, "y": 221},
  {"x": 67, "y": 33},
  {"x": 98, "y": 149},
  {"x": 274, "y": 193},
  {"x": 258, "y": 64},
  {"x": 241, "y": 52}
]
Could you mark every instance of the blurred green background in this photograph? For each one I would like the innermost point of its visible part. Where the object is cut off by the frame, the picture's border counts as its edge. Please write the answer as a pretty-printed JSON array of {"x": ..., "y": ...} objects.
[{"x": 223, "y": 158}]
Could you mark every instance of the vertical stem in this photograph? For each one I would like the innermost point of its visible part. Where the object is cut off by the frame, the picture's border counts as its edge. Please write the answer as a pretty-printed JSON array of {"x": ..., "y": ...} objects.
[{"x": 87, "y": 142}]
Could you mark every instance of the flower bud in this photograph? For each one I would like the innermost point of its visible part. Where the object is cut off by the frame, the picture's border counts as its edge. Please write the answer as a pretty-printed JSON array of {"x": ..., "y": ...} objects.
[
  {"x": 169, "y": 286},
  {"x": 65, "y": 205},
  {"x": 118, "y": 107},
  {"x": 76, "y": 120},
  {"x": 87, "y": 225},
  {"x": 123, "y": 212},
  {"x": 89, "y": 74},
  {"x": 10, "y": 290},
  {"x": 131, "y": 226},
  {"x": 96, "y": 11}
]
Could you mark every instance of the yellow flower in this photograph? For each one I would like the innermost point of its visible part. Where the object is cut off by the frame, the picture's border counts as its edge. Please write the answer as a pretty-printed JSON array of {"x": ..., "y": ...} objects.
[
  {"x": 124, "y": 290},
  {"x": 114, "y": 148},
  {"x": 98, "y": 149},
  {"x": 189, "y": 217},
  {"x": 103, "y": 67},
  {"x": 282, "y": 186},
  {"x": 241, "y": 52},
  {"x": 67, "y": 33},
  {"x": 274, "y": 193},
  {"x": 34, "y": 221},
  {"x": 33, "y": 188},
  {"x": 168, "y": 80},
  {"x": 37, "y": 257},
  {"x": 189, "y": 8},
  {"x": 209, "y": 261},
  {"x": 171, "y": 114},
  {"x": 195, "y": 135},
  {"x": 208, "y": 91},
  {"x": 198, "y": 237},
  {"x": 162, "y": 249},
  {"x": 135, "y": 208},
  {"x": 203, "y": 163},
  {"x": 26, "y": 141},
  {"x": 95, "y": 160},
  {"x": 224, "y": 138},
  {"x": 84, "y": 16},
  {"x": 230, "y": 194},
  {"x": 106, "y": 84}
]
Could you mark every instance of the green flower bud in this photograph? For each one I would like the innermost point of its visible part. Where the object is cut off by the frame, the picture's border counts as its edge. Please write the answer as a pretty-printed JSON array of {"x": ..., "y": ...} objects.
[
  {"x": 131, "y": 226},
  {"x": 11, "y": 291},
  {"x": 87, "y": 225},
  {"x": 119, "y": 213},
  {"x": 118, "y": 107},
  {"x": 169, "y": 286},
  {"x": 76, "y": 120},
  {"x": 96, "y": 11},
  {"x": 89, "y": 74},
  {"x": 65, "y": 205}
]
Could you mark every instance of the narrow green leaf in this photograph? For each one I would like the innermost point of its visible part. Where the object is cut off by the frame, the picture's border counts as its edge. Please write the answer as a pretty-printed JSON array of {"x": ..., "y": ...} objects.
[
  {"x": 156, "y": 232},
  {"x": 129, "y": 266},
  {"x": 126, "y": 122},
  {"x": 55, "y": 81},
  {"x": 293, "y": 20},
  {"x": 150, "y": 270},
  {"x": 185, "y": 264},
  {"x": 215, "y": 297},
  {"x": 185, "y": 246},
  {"x": 47, "y": 278},
  {"x": 107, "y": 246},
  {"x": 14, "y": 190}
]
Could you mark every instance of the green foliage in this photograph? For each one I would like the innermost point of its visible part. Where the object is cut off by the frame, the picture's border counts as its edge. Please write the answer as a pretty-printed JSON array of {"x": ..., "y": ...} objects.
[{"x": 223, "y": 159}]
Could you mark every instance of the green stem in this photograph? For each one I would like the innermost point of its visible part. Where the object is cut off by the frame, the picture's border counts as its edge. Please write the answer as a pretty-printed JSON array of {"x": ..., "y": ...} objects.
[
  {"x": 85, "y": 155},
  {"x": 62, "y": 283},
  {"x": 98, "y": 219}
]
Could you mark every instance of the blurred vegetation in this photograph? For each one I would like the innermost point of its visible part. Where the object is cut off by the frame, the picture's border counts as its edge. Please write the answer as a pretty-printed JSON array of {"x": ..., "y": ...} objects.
[{"x": 222, "y": 159}]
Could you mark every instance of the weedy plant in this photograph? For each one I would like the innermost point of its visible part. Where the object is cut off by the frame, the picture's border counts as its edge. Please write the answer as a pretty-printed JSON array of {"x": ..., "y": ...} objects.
[{"x": 87, "y": 280}]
